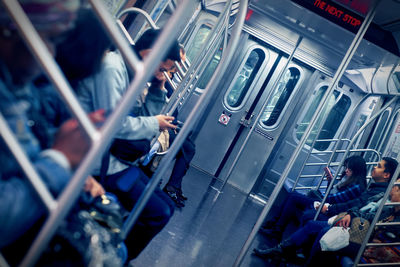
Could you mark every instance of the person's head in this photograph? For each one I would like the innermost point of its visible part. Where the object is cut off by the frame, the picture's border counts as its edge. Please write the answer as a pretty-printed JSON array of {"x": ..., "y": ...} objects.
[
  {"x": 51, "y": 18},
  {"x": 384, "y": 170},
  {"x": 355, "y": 170},
  {"x": 395, "y": 192},
  {"x": 176, "y": 53},
  {"x": 81, "y": 54}
]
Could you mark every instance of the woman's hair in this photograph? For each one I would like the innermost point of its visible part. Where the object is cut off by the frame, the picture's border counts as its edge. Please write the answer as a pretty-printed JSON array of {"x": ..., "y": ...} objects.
[
  {"x": 81, "y": 54},
  {"x": 149, "y": 37},
  {"x": 359, "y": 169}
]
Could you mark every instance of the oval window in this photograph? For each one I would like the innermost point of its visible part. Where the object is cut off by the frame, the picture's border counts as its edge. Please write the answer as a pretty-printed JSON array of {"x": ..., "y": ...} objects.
[
  {"x": 245, "y": 78},
  {"x": 280, "y": 97}
]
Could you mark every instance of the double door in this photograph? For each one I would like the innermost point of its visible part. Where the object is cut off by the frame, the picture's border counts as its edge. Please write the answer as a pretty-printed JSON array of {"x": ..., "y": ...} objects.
[{"x": 256, "y": 100}]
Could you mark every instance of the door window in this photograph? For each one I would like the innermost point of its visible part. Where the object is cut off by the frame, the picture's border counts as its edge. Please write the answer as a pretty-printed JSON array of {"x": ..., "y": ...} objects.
[
  {"x": 193, "y": 49},
  {"x": 245, "y": 78},
  {"x": 280, "y": 97},
  {"x": 393, "y": 139},
  {"x": 336, "y": 110}
]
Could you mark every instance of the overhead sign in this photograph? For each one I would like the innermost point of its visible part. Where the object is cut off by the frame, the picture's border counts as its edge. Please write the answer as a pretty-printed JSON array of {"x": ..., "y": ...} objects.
[
  {"x": 333, "y": 12},
  {"x": 337, "y": 13},
  {"x": 351, "y": 21}
]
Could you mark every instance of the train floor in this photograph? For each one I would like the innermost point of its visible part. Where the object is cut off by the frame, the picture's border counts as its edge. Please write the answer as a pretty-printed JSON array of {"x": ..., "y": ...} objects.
[{"x": 209, "y": 231}]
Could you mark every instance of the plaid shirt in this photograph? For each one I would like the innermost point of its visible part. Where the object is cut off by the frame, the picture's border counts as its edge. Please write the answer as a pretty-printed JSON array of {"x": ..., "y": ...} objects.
[{"x": 350, "y": 192}]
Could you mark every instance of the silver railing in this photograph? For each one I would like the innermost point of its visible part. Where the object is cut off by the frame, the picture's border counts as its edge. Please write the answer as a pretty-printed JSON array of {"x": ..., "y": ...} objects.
[
  {"x": 191, "y": 119},
  {"x": 342, "y": 67},
  {"x": 98, "y": 137}
]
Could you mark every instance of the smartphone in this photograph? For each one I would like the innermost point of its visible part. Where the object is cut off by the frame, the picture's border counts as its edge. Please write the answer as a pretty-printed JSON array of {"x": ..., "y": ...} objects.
[{"x": 329, "y": 173}]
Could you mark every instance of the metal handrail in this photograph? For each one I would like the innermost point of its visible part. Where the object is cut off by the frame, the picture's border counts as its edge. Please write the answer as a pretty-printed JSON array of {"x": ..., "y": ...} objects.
[
  {"x": 140, "y": 11},
  {"x": 27, "y": 167},
  {"x": 351, "y": 143},
  {"x": 191, "y": 120},
  {"x": 204, "y": 56},
  {"x": 334, "y": 150},
  {"x": 143, "y": 73},
  {"x": 134, "y": 10},
  {"x": 375, "y": 220},
  {"x": 47, "y": 62},
  {"x": 342, "y": 67}
]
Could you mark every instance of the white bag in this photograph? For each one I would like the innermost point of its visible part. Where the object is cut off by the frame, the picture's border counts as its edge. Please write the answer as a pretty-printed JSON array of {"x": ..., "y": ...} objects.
[{"x": 336, "y": 238}]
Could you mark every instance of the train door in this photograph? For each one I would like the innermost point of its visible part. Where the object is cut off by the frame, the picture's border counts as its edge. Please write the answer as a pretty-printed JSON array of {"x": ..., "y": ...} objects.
[{"x": 248, "y": 85}]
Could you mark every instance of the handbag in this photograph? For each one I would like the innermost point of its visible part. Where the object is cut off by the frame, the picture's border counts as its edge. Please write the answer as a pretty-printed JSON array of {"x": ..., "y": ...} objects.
[
  {"x": 358, "y": 229},
  {"x": 89, "y": 236},
  {"x": 129, "y": 150},
  {"x": 336, "y": 238}
]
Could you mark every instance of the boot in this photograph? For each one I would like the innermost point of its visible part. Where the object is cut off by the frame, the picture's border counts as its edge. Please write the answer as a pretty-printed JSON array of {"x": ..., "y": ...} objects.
[{"x": 284, "y": 250}]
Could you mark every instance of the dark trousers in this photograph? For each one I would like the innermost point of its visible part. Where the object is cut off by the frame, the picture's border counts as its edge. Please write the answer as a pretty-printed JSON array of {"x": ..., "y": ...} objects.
[
  {"x": 329, "y": 258},
  {"x": 128, "y": 185},
  {"x": 308, "y": 232},
  {"x": 182, "y": 162},
  {"x": 309, "y": 214},
  {"x": 293, "y": 208}
]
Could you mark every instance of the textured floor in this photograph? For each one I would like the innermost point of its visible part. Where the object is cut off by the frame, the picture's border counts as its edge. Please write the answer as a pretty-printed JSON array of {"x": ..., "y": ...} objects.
[{"x": 209, "y": 231}]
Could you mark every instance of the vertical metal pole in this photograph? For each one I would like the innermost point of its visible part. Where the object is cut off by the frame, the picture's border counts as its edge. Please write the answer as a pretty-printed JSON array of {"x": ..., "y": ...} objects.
[
  {"x": 26, "y": 165},
  {"x": 42, "y": 54},
  {"x": 378, "y": 212},
  {"x": 349, "y": 148},
  {"x": 191, "y": 120},
  {"x": 342, "y": 67},
  {"x": 278, "y": 79},
  {"x": 144, "y": 72}
]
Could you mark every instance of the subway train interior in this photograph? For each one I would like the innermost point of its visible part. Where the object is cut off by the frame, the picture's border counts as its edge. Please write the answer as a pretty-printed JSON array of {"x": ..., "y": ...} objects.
[{"x": 271, "y": 93}]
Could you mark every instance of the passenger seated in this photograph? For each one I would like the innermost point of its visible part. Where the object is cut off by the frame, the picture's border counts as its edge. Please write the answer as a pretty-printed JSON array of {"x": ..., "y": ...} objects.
[
  {"x": 21, "y": 209},
  {"x": 381, "y": 175},
  {"x": 368, "y": 212},
  {"x": 103, "y": 90},
  {"x": 296, "y": 204},
  {"x": 157, "y": 93}
]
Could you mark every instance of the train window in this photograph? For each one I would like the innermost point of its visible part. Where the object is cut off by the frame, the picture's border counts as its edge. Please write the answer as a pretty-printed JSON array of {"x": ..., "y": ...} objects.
[
  {"x": 378, "y": 134},
  {"x": 242, "y": 84},
  {"x": 280, "y": 97},
  {"x": 195, "y": 46},
  {"x": 336, "y": 110},
  {"x": 396, "y": 80},
  {"x": 209, "y": 71},
  {"x": 392, "y": 140},
  {"x": 194, "y": 49}
]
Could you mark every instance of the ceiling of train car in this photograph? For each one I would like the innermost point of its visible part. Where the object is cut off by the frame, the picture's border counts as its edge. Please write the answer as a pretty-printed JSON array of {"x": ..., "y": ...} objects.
[
  {"x": 299, "y": 15},
  {"x": 328, "y": 39}
]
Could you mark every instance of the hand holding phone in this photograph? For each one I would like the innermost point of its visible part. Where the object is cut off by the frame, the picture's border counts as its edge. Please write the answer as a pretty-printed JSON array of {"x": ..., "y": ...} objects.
[{"x": 328, "y": 173}]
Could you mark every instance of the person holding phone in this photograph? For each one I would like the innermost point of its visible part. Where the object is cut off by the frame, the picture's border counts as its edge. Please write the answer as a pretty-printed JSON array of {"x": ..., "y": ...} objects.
[{"x": 301, "y": 208}]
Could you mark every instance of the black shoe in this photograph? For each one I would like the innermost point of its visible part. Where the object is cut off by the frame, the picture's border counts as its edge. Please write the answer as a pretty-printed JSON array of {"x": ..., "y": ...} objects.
[
  {"x": 269, "y": 253},
  {"x": 172, "y": 193},
  {"x": 285, "y": 250},
  {"x": 180, "y": 194}
]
